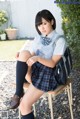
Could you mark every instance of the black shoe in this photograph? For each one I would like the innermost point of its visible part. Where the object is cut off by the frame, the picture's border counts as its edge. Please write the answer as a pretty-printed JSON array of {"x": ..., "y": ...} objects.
[{"x": 15, "y": 101}]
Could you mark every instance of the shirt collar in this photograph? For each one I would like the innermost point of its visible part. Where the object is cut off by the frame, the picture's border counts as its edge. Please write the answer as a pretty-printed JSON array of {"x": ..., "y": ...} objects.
[{"x": 51, "y": 34}]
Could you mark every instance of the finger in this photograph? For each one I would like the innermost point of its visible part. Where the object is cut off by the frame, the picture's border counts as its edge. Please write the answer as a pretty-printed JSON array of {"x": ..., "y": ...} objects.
[{"x": 30, "y": 61}]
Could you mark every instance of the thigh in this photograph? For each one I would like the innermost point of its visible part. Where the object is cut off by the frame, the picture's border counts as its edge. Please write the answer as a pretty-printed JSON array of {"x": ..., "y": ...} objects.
[
  {"x": 31, "y": 95},
  {"x": 28, "y": 75}
]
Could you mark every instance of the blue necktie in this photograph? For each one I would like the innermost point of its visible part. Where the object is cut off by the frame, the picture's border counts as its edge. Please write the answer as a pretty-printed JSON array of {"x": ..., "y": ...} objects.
[{"x": 46, "y": 41}]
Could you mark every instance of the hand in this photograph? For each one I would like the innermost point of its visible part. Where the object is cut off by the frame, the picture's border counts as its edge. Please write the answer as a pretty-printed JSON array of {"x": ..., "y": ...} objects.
[
  {"x": 17, "y": 55},
  {"x": 32, "y": 60}
]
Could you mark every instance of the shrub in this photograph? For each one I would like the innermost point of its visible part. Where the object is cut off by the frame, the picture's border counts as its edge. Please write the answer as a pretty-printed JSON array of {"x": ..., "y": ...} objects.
[
  {"x": 3, "y": 17},
  {"x": 71, "y": 27}
]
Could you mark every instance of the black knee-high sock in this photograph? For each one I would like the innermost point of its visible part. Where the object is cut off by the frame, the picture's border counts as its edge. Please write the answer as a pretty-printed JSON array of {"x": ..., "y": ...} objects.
[
  {"x": 28, "y": 116},
  {"x": 21, "y": 70}
]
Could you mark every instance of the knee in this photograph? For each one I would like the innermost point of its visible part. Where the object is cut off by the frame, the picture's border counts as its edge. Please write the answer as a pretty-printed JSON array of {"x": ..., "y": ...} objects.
[{"x": 24, "y": 55}]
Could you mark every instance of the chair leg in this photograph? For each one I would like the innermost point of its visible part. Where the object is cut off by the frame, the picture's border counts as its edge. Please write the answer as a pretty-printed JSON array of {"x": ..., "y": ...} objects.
[
  {"x": 70, "y": 104},
  {"x": 19, "y": 114},
  {"x": 71, "y": 93},
  {"x": 34, "y": 110},
  {"x": 50, "y": 105},
  {"x": 65, "y": 91}
]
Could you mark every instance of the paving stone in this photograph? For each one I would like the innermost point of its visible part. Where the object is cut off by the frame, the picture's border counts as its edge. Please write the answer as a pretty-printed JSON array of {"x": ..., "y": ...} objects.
[{"x": 60, "y": 105}]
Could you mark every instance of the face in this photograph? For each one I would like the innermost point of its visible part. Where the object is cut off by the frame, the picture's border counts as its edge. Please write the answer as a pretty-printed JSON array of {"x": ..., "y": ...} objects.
[{"x": 46, "y": 27}]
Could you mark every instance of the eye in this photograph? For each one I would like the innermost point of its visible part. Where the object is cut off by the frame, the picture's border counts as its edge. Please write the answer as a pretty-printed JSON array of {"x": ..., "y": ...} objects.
[{"x": 44, "y": 23}]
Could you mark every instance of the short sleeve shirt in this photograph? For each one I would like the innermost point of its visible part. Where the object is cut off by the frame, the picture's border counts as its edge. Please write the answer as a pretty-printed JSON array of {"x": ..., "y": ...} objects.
[{"x": 56, "y": 47}]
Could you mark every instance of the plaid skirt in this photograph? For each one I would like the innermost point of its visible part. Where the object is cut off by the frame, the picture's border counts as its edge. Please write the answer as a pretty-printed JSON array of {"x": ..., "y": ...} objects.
[{"x": 43, "y": 77}]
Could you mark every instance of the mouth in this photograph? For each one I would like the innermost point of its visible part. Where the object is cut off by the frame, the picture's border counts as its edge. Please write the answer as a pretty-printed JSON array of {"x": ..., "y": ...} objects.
[{"x": 43, "y": 31}]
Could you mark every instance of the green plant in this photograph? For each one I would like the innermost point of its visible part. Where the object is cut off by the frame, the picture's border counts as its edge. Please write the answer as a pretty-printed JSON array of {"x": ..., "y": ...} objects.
[
  {"x": 3, "y": 17},
  {"x": 2, "y": 31},
  {"x": 71, "y": 27}
]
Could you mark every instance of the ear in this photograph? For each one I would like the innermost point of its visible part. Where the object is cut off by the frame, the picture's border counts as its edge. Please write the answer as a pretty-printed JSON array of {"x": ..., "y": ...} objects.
[{"x": 52, "y": 22}]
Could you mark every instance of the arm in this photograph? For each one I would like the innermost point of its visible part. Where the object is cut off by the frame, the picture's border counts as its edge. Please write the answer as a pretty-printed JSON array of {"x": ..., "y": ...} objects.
[
  {"x": 50, "y": 62},
  {"x": 47, "y": 62}
]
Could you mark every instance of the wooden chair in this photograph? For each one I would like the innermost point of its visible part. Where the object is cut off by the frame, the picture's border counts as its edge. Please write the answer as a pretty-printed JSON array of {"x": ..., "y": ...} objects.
[{"x": 53, "y": 94}]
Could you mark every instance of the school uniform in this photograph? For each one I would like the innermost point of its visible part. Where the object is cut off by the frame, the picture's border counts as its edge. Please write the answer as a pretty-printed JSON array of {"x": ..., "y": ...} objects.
[{"x": 42, "y": 76}]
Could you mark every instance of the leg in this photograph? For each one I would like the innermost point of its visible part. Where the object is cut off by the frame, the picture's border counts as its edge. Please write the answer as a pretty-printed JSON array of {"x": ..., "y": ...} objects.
[
  {"x": 28, "y": 75},
  {"x": 28, "y": 100},
  {"x": 21, "y": 70}
]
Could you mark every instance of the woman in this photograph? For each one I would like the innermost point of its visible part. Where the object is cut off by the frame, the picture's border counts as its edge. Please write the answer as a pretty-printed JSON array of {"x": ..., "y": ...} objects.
[{"x": 41, "y": 57}]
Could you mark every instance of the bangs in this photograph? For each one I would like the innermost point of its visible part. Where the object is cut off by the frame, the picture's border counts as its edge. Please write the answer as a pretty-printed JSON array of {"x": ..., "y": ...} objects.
[
  {"x": 38, "y": 20},
  {"x": 40, "y": 15}
]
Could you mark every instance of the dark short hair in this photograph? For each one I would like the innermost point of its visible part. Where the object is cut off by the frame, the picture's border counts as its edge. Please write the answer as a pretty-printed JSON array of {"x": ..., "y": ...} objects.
[{"x": 46, "y": 14}]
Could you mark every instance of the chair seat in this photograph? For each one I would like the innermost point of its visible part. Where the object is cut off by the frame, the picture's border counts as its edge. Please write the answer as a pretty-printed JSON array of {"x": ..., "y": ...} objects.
[{"x": 58, "y": 90}]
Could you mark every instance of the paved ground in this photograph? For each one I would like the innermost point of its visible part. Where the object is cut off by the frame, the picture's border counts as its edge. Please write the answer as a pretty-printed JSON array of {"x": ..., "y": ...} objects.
[{"x": 61, "y": 108}]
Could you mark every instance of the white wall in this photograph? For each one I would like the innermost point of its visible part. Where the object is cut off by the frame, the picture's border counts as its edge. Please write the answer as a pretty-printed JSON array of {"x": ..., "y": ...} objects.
[{"x": 24, "y": 12}]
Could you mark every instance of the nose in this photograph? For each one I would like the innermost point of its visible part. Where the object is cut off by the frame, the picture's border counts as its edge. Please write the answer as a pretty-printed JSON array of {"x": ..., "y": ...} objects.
[{"x": 42, "y": 27}]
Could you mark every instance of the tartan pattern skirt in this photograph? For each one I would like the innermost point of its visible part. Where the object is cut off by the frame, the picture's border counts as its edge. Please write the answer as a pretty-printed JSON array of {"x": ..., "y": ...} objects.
[{"x": 43, "y": 77}]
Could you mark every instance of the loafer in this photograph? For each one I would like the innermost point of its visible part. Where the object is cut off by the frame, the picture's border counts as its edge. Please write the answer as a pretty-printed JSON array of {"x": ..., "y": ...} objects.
[{"x": 15, "y": 101}]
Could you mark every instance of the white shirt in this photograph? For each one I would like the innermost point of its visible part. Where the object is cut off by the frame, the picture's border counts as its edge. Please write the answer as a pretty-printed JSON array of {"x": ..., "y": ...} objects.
[{"x": 56, "y": 47}]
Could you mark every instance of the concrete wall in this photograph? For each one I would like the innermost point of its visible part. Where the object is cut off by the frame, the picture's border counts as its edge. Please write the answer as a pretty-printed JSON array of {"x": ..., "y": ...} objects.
[{"x": 23, "y": 14}]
